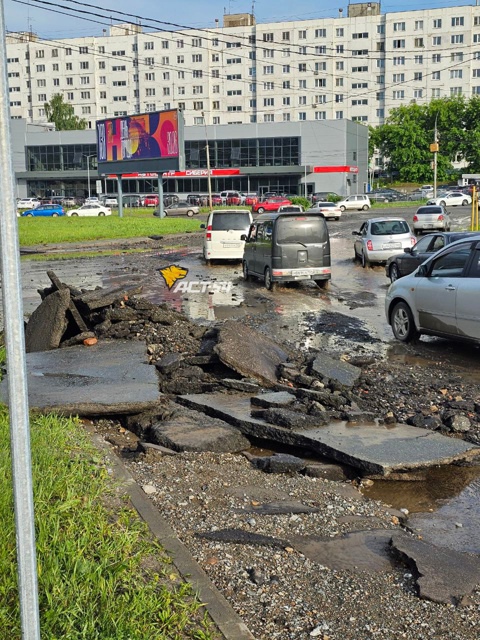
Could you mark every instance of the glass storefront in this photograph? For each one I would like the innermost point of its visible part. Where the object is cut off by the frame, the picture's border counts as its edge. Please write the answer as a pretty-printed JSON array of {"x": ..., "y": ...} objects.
[
  {"x": 72, "y": 157},
  {"x": 243, "y": 152}
]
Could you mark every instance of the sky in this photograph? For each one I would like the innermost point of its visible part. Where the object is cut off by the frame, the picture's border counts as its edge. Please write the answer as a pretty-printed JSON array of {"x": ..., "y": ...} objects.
[{"x": 23, "y": 15}]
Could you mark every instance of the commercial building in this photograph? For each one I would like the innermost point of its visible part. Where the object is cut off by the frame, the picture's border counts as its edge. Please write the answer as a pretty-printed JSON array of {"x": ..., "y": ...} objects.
[
  {"x": 355, "y": 66},
  {"x": 287, "y": 157}
]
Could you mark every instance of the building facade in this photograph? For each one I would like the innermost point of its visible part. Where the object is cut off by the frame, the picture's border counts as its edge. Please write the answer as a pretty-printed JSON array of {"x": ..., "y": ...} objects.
[
  {"x": 287, "y": 157},
  {"x": 356, "y": 67}
]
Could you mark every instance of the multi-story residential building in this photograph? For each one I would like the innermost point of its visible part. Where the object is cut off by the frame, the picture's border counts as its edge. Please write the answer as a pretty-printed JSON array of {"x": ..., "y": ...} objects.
[{"x": 356, "y": 67}]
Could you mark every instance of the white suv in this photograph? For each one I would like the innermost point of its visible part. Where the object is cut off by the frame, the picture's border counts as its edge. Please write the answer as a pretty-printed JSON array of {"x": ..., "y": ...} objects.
[
  {"x": 358, "y": 202},
  {"x": 28, "y": 203}
]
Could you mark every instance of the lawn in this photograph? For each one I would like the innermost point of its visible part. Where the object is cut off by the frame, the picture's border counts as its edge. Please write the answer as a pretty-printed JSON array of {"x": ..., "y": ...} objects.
[
  {"x": 101, "y": 574},
  {"x": 134, "y": 224}
]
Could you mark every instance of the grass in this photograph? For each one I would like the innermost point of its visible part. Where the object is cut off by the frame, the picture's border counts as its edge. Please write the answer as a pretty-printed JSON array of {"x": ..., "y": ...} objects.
[
  {"x": 35, "y": 231},
  {"x": 100, "y": 574},
  {"x": 392, "y": 205}
]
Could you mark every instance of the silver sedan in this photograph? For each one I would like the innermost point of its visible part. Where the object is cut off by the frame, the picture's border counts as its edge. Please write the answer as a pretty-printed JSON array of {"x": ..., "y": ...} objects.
[{"x": 181, "y": 208}]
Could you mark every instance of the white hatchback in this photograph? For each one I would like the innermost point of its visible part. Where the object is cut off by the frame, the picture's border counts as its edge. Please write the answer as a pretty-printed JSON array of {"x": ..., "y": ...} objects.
[
  {"x": 90, "y": 209},
  {"x": 329, "y": 210},
  {"x": 28, "y": 203},
  {"x": 223, "y": 234},
  {"x": 359, "y": 202}
]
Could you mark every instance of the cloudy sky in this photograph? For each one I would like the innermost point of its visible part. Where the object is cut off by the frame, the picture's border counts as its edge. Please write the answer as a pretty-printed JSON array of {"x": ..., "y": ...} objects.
[{"x": 21, "y": 15}]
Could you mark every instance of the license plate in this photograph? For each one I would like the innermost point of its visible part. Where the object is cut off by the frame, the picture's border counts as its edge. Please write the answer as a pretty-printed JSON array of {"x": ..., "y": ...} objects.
[
  {"x": 428, "y": 226},
  {"x": 302, "y": 272},
  {"x": 231, "y": 245},
  {"x": 392, "y": 245}
]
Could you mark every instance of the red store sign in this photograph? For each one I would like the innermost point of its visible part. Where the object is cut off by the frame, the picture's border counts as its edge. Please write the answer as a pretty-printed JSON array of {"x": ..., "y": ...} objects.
[{"x": 337, "y": 169}]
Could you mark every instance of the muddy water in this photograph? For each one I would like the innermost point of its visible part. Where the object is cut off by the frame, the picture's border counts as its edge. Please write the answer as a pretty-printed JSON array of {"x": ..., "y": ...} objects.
[{"x": 350, "y": 315}]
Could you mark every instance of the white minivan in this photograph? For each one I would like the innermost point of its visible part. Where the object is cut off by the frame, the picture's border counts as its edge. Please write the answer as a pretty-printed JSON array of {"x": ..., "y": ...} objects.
[
  {"x": 357, "y": 202},
  {"x": 223, "y": 234}
]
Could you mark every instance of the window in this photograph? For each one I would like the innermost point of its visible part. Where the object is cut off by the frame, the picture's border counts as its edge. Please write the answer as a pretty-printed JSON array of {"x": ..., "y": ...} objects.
[
  {"x": 399, "y": 44},
  {"x": 102, "y": 80},
  {"x": 435, "y": 93},
  {"x": 456, "y": 91},
  {"x": 339, "y": 115},
  {"x": 235, "y": 107},
  {"x": 86, "y": 110},
  {"x": 320, "y": 115},
  {"x": 198, "y": 120},
  {"x": 302, "y": 100},
  {"x": 437, "y": 41},
  {"x": 118, "y": 53},
  {"x": 436, "y": 58},
  {"x": 85, "y": 50},
  {"x": 399, "y": 94},
  {"x": 360, "y": 52},
  {"x": 302, "y": 35},
  {"x": 476, "y": 38},
  {"x": 40, "y": 53},
  {"x": 234, "y": 92},
  {"x": 269, "y": 102},
  {"x": 436, "y": 75},
  {"x": 286, "y": 84},
  {"x": 285, "y": 53},
  {"x": 198, "y": 105},
  {"x": 339, "y": 66},
  {"x": 380, "y": 95},
  {"x": 268, "y": 70},
  {"x": 197, "y": 73},
  {"x": 302, "y": 115},
  {"x": 286, "y": 68},
  {"x": 476, "y": 21},
  {"x": 399, "y": 61},
  {"x": 150, "y": 106},
  {"x": 84, "y": 79},
  {"x": 458, "y": 22},
  {"x": 302, "y": 67},
  {"x": 359, "y": 119},
  {"x": 418, "y": 60},
  {"x": 42, "y": 97},
  {"x": 216, "y": 105},
  {"x": 268, "y": 53},
  {"x": 418, "y": 43},
  {"x": 180, "y": 44},
  {"x": 456, "y": 73},
  {"x": 54, "y": 53},
  {"x": 380, "y": 63},
  {"x": 399, "y": 26},
  {"x": 234, "y": 60},
  {"x": 399, "y": 77},
  {"x": 196, "y": 42},
  {"x": 360, "y": 85},
  {"x": 119, "y": 98},
  {"x": 85, "y": 95},
  {"x": 14, "y": 89},
  {"x": 381, "y": 29},
  {"x": 149, "y": 92},
  {"x": 41, "y": 83},
  {"x": 418, "y": 93},
  {"x": 339, "y": 97},
  {"x": 362, "y": 101},
  {"x": 321, "y": 33},
  {"x": 84, "y": 65},
  {"x": 69, "y": 81},
  {"x": 165, "y": 44},
  {"x": 339, "y": 48},
  {"x": 476, "y": 73},
  {"x": 286, "y": 117},
  {"x": 302, "y": 84},
  {"x": 339, "y": 82},
  {"x": 235, "y": 76},
  {"x": 362, "y": 69},
  {"x": 320, "y": 82},
  {"x": 216, "y": 120},
  {"x": 339, "y": 32},
  {"x": 68, "y": 51},
  {"x": 103, "y": 95},
  {"x": 269, "y": 117},
  {"x": 418, "y": 25},
  {"x": 101, "y": 64},
  {"x": 437, "y": 24},
  {"x": 457, "y": 56},
  {"x": 268, "y": 37},
  {"x": 322, "y": 50},
  {"x": 55, "y": 67},
  {"x": 457, "y": 39},
  {"x": 268, "y": 86},
  {"x": 380, "y": 46},
  {"x": 40, "y": 68}
]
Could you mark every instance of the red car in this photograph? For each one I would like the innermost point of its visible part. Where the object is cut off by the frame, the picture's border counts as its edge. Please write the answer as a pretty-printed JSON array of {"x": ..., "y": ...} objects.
[
  {"x": 216, "y": 199},
  {"x": 151, "y": 201},
  {"x": 251, "y": 199},
  {"x": 271, "y": 204}
]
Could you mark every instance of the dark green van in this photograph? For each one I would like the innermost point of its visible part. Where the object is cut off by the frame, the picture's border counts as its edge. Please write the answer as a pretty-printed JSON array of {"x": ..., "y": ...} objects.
[{"x": 288, "y": 247}]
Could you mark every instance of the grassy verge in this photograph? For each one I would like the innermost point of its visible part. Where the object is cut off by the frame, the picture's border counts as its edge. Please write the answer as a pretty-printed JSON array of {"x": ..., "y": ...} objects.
[
  {"x": 34, "y": 231},
  {"x": 101, "y": 577},
  {"x": 393, "y": 205}
]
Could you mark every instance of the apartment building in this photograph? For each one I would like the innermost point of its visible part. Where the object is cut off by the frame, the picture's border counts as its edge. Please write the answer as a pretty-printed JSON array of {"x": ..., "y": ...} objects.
[{"x": 356, "y": 67}]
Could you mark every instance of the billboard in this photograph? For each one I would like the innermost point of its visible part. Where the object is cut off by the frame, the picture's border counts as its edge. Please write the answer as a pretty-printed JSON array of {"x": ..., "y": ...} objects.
[{"x": 147, "y": 140}]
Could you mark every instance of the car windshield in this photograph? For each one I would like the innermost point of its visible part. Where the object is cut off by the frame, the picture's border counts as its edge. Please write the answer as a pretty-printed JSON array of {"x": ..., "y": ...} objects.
[
  {"x": 429, "y": 210},
  {"x": 225, "y": 221},
  {"x": 326, "y": 204},
  {"x": 389, "y": 227},
  {"x": 302, "y": 230}
]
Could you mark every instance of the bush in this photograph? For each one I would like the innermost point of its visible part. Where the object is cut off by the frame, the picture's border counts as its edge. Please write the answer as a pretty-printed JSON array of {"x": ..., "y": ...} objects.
[{"x": 303, "y": 202}]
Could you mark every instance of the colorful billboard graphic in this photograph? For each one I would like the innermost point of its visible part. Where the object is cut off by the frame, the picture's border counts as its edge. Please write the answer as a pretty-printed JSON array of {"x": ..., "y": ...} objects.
[{"x": 146, "y": 136}]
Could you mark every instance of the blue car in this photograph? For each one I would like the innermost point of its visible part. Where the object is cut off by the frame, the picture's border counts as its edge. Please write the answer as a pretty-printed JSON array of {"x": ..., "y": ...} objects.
[{"x": 53, "y": 210}]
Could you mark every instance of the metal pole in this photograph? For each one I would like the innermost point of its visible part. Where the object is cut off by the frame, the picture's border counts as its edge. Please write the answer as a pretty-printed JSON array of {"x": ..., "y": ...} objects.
[
  {"x": 17, "y": 373},
  {"x": 88, "y": 174},
  {"x": 305, "y": 186},
  {"x": 435, "y": 161},
  {"x": 120, "y": 195},
  {"x": 209, "y": 177},
  {"x": 161, "y": 207}
]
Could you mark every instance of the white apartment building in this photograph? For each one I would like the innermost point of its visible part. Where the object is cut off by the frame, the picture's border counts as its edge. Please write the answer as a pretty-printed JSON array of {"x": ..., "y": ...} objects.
[{"x": 355, "y": 67}]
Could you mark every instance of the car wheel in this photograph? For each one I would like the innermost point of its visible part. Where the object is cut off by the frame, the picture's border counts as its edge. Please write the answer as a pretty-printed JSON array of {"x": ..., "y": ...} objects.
[
  {"x": 246, "y": 275},
  {"x": 74, "y": 214},
  {"x": 260, "y": 210},
  {"x": 342, "y": 208},
  {"x": 54, "y": 215},
  {"x": 394, "y": 273},
  {"x": 365, "y": 261},
  {"x": 337, "y": 218},
  {"x": 366, "y": 207},
  {"x": 269, "y": 284},
  {"x": 102, "y": 213},
  {"x": 190, "y": 213},
  {"x": 443, "y": 203},
  {"x": 464, "y": 203},
  {"x": 403, "y": 325},
  {"x": 29, "y": 215},
  {"x": 322, "y": 284}
]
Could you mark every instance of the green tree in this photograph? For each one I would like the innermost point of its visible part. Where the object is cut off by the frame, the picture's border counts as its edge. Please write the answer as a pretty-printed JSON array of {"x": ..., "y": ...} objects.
[{"x": 62, "y": 114}]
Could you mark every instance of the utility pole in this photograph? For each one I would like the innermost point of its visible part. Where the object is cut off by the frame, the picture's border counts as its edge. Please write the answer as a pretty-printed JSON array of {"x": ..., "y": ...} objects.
[
  {"x": 434, "y": 150},
  {"x": 209, "y": 177}
]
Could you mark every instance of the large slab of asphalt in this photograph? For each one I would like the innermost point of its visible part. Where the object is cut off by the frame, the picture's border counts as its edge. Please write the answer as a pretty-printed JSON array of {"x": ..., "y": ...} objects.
[
  {"x": 375, "y": 449},
  {"x": 108, "y": 378}
]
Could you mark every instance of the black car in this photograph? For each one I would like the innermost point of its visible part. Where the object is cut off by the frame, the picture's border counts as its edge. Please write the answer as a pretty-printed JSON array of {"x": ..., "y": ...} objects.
[
  {"x": 386, "y": 195},
  {"x": 325, "y": 196},
  {"x": 404, "y": 263}
]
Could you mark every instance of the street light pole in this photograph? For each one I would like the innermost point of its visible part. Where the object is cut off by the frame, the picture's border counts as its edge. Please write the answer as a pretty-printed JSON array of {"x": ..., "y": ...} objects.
[
  {"x": 94, "y": 155},
  {"x": 209, "y": 177},
  {"x": 434, "y": 148}
]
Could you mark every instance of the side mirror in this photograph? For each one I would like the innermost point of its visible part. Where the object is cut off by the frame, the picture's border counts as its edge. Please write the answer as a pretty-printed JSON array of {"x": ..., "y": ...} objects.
[
  {"x": 422, "y": 271},
  {"x": 243, "y": 237},
  {"x": 202, "y": 226},
  {"x": 408, "y": 250},
  {"x": 355, "y": 233}
]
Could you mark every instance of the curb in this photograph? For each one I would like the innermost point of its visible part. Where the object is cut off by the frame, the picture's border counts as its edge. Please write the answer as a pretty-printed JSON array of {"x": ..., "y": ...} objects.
[{"x": 226, "y": 619}]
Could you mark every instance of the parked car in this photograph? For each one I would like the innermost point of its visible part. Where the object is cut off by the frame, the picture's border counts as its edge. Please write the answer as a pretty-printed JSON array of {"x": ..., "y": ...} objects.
[
  {"x": 95, "y": 199},
  {"x": 28, "y": 203},
  {"x": 52, "y": 210},
  {"x": 223, "y": 234},
  {"x": 381, "y": 238},
  {"x": 385, "y": 195},
  {"x": 90, "y": 209},
  {"x": 427, "y": 190},
  {"x": 110, "y": 202},
  {"x": 441, "y": 297},
  {"x": 325, "y": 196},
  {"x": 68, "y": 201},
  {"x": 404, "y": 263},
  {"x": 249, "y": 199},
  {"x": 132, "y": 201},
  {"x": 431, "y": 217},
  {"x": 329, "y": 210},
  {"x": 290, "y": 208},
  {"x": 216, "y": 199},
  {"x": 286, "y": 247},
  {"x": 271, "y": 204},
  {"x": 416, "y": 195},
  {"x": 357, "y": 202},
  {"x": 452, "y": 199},
  {"x": 180, "y": 208},
  {"x": 231, "y": 198},
  {"x": 150, "y": 201}
]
